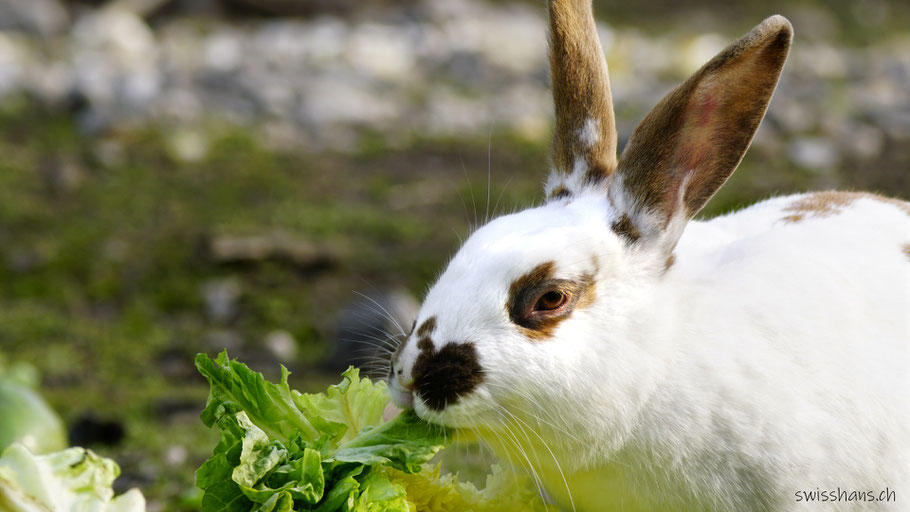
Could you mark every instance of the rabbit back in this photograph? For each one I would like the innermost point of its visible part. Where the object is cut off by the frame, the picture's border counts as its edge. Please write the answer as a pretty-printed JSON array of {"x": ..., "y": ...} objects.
[{"x": 791, "y": 373}]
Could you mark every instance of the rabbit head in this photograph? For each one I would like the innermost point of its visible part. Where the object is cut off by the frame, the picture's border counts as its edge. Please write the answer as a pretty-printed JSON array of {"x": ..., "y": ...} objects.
[{"x": 534, "y": 319}]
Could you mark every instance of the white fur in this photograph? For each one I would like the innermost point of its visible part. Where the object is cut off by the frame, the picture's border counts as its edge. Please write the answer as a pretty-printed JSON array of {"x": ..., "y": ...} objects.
[
  {"x": 574, "y": 182},
  {"x": 771, "y": 358},
  {"x": 589, "y": 133}
]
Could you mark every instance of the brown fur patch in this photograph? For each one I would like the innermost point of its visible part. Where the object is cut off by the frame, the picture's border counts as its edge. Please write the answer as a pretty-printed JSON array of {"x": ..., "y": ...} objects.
[
  {"x": 907, "y": 251},
  {"x": 442, "y": 377},
  {"x": 560, "y": 192},
  {"x": 427, "y": 327},
  {"x": 587, "y": 292},
  {"x": 833, "y": 202},
  {"x": 524, "y": 292},
  {"x": 820, "y": 204},
  {"x": 581, "y": 90},
  {"x": 425, "y": 344},
  {"x": 596, "y": 173},
  {"x": 624, "y": 228},
  {"x": 671, "y": 260},
  {"x": 698, "y": 133}
]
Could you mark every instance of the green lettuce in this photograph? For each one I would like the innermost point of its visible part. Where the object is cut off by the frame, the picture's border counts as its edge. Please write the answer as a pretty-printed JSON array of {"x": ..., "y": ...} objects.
[
  {"x": 74, "y": 479},
  {"x": 281, "y": 450},
  {"x": 25, "y": 417}
]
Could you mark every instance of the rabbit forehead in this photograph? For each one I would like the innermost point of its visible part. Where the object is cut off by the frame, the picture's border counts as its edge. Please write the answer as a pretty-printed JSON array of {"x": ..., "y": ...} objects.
[
  {"x": 570, "y": 237},
  {"x": 574, "y": 224}
]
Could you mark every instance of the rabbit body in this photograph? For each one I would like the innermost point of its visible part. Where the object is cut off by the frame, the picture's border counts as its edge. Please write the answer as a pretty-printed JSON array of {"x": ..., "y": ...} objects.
[
  {"x": 770, "y": 358},
  {"x": 781, "y": 352},
  {"x": 631, "y": 358}
]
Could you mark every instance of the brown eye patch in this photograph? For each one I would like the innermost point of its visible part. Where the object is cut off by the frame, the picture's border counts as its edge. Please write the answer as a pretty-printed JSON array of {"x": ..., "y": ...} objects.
[{"x": 538, "y": 301}]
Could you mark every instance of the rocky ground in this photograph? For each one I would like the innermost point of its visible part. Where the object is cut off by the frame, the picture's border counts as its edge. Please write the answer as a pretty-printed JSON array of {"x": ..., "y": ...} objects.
[
  {"x": 185, "y": 175},
  {"x": 449, "y": 68}
]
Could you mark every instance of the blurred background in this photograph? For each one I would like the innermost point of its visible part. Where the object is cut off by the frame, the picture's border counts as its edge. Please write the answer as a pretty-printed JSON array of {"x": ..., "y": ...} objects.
[{"x": 271, "y": 176}]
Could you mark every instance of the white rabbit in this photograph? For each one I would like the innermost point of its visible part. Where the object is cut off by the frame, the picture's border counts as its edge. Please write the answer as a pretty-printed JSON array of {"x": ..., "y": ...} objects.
[{"x": 634, "y": 359}]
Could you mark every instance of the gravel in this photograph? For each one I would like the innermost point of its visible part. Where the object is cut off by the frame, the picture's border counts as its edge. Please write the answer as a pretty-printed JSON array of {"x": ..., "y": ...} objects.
[{"x": 439, "y": 68}]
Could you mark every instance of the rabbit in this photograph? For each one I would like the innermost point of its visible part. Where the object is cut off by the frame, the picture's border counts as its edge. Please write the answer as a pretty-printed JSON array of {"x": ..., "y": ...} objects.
[{"x": 631, "y": 358}]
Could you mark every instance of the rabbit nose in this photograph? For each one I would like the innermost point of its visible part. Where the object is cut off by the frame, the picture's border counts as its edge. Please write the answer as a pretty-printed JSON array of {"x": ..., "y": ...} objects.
[
  {"x": 401, "y": 392},
  {"x": 441, "y": 377},
  {"x": 396, "y": 374}
]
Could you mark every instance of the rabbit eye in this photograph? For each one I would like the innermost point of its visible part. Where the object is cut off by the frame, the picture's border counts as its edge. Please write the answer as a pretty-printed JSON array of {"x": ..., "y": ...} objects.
[
  {"x": 538, "y": 301},
  {"x": 551, "y": 301}
]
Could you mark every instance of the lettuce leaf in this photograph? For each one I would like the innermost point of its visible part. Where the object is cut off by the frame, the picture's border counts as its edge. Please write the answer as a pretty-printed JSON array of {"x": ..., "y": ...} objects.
[
  {"x": 281, "y": 450},
  {"x": 429, "y": 491},
  {"x": 405, "y": 443},
  {"x": 74, "y": 479},
  {"x": 25, "y": 416},
  {"x": 235, "y": 388}
]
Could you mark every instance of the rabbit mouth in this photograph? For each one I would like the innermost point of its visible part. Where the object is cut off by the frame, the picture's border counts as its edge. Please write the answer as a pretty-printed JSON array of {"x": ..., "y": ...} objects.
[{"x": 402, "y": 398}]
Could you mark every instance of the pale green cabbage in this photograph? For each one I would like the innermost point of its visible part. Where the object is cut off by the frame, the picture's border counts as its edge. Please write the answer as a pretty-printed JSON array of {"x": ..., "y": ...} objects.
[
  {"x": 24, "y": 415},
  {"x": 71, "y": 480}
]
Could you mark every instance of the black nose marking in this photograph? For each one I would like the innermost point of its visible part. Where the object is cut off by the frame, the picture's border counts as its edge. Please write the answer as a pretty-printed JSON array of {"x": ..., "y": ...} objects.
[{"x": 442, "y": 377}]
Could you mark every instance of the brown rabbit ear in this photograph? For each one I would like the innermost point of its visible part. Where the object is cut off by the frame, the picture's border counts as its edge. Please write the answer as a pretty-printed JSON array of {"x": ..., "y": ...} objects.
[
  {"x": 584, "y": 140},
  {"x": 690, "y": 143}
]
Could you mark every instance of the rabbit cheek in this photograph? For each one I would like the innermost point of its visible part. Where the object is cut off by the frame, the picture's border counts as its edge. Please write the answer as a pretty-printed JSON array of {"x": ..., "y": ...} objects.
[{"x": 442, "y": 377}]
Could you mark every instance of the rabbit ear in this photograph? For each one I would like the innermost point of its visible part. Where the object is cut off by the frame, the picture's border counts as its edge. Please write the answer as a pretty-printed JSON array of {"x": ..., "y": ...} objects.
[
  {"x": 690, "y": 143},
  {"x": 584, "y": 141}
]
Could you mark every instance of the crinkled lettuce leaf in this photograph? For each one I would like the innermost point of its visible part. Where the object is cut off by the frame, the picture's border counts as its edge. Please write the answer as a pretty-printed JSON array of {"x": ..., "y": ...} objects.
[
  {"x": 281, "y": 450},
  {"x": 405, "y": 443},
  {"x": 430, "y": 491},
  {"x": 71, "y": 480}
]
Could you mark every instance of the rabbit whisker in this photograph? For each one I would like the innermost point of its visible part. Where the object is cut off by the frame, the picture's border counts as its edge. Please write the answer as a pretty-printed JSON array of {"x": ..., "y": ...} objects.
[
  {"x": 489, "y": 171},
  {"x": 470, "y": 191},
  {"x": 538, "y": 407},
  {"x": 501, "y": 192},
  {"x": 384, "y": 310},
  {"x": 538, "y": 482},
  {"x": 547, "y": 446}
]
